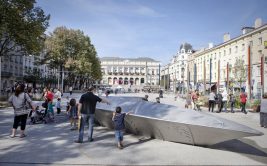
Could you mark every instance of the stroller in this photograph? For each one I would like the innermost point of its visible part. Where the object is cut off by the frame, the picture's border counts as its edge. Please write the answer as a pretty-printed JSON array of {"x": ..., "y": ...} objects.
[
  {"x": 198, "y": 105},
  {"x": 38, "y": 116}
]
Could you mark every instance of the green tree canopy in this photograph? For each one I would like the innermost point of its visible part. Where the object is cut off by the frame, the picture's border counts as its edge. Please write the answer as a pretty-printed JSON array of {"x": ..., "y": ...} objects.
[
  {"x": 240, "y": 72},
  {"x": 72, "y": 50},
  {"x": 22, "y": 27}
]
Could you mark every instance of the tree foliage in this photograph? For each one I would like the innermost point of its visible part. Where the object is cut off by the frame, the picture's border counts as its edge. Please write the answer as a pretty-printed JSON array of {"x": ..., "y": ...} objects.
[
  {"x": 22, "y": 27},
  {"x": 239, "y": 72},
  {"x": 72, "y": 51}
]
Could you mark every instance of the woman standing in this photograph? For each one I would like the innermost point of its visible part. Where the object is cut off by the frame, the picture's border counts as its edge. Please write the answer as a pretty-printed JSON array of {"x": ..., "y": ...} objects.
[{"x": 19, "y": 102}]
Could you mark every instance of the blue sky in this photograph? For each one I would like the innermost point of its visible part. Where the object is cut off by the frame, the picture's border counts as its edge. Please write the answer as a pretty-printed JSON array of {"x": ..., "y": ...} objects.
[{"x": 153, "y": 28}]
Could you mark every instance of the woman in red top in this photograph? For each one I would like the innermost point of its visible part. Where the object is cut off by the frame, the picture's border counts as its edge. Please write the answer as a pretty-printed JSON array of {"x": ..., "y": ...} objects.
[{"x": 243, "y": 100}]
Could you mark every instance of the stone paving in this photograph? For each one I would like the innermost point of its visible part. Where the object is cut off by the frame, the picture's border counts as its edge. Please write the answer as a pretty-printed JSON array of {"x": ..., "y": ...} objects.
[{"x": 53, "y": 144}]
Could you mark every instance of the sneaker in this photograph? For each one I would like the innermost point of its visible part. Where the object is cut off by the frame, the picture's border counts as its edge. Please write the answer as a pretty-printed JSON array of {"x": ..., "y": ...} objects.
[
  {"x": 13, "y": 136},
  {"x": 77, "y": 141},
  {"x": 120, "y": 147},
  {"x": 22, "y": 135},
  {"x": 90, "y": 139}
]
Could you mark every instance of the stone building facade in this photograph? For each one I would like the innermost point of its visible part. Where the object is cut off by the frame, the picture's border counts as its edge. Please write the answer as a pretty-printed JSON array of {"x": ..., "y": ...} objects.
[{"x": 129, "y": 71}]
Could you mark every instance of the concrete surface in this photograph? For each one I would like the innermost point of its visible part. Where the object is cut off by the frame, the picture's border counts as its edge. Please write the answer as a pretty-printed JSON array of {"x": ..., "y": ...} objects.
[{"x": 52, "y": 144}]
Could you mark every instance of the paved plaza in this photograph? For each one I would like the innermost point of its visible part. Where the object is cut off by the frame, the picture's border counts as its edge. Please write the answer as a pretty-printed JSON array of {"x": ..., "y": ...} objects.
[{"x": 53, "y": 144}]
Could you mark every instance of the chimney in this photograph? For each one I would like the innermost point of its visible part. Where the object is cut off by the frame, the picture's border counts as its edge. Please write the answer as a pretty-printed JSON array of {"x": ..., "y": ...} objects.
[
  {"x": 258, "y": 23},
  {"x": 210, "y": 45},
  {"x": 246, "y": 30},
  {"x": 226, "y": 37}
]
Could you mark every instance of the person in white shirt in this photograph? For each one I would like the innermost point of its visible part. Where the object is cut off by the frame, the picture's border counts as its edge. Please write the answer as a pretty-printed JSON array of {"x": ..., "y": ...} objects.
[
  {"x": 70, "y": 90},
  {"x": 224, "y": 100},
  {"x": 211, "y": 101},
  {"x": 58, "y": 94}
]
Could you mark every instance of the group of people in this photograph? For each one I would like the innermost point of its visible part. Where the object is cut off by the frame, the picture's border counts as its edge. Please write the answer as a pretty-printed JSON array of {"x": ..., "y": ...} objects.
[
  {"x": 222, "y": 99},
  {"x": 82, "y": 111}
]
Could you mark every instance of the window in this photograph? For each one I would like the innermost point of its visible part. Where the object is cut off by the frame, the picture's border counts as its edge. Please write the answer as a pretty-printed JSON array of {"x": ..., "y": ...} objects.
[
  {"x": 243, "y": 47},
  {"x": 251, "y": 43},
  {"x": 236, "y": 49},
  {"x": 219, "y": 54},
  {"x": 260, "y": 41},
  {"x": 230, "y": 51},
  {"x": 224, "y": 52}
]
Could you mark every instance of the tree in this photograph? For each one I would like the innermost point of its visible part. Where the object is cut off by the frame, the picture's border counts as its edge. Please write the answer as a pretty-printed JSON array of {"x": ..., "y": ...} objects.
[
  {"x": 22, "y": 27},
  {"x": 71, "y": 50},
  {"x": 240, "y": 72}
]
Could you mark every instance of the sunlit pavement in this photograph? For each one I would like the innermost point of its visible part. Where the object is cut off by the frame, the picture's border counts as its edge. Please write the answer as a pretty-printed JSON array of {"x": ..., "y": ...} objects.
[{"x": 53, "y": 144}]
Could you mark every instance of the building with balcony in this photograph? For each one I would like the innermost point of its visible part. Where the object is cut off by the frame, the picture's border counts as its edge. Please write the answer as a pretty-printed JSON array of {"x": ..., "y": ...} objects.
[{"x": 129, "y": 71}]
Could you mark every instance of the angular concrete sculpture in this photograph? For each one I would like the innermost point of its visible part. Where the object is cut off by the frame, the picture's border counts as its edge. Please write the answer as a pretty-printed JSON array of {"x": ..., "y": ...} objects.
[{"x": 170, "y": 123}]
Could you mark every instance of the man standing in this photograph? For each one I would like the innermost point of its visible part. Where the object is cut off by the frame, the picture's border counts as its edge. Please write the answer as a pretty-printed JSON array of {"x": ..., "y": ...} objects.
[{"x": 86, "y": 110}]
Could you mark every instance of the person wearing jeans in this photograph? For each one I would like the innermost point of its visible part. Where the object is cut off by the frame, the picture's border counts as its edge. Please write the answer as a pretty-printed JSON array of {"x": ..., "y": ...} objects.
[
  {"x": 83, "y": 121},
  {"x": 86, "y": 109}
]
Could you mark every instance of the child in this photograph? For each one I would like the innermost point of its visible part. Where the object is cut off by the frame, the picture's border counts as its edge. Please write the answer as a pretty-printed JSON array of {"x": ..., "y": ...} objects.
[
  {"x": 73, "y": 114},
  {"x": 118, "y": 119},
  {"x": 50, "y": 109},
  {"x": 58, "y": 106}
]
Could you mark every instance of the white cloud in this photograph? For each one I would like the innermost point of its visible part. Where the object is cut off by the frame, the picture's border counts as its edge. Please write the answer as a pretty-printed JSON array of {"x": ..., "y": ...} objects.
[{"x": 102, "y": 7}]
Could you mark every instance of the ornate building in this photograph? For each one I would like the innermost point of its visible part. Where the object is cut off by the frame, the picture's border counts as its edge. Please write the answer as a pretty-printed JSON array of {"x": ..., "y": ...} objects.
[
  {"x": 130, "y": 71},
  {"x": 175, "y": 74}
]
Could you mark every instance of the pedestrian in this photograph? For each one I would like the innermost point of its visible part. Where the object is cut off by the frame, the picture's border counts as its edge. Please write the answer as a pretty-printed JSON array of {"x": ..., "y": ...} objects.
[
  {"x": 160, "y": 93},
  {"x": 263, "y": 111},
  {"x": 118, "y": 120},
  {"x": 58, "y": 105},
  {"x": 219, "y": 101},
  {"x": 224, "y": 100},
  {"x": 194, "y": 97},
  {"x": 70, "y": 90},
  {"x": 19, "y": 102},
  {"x": 243, "y": 100},
  {"x": 232, "y": 102},
  {"x": 107, "y": 93},
  {"x": 188, "y": 101},
  {"x": 157, "y": 100},
  {"x": 86, "y": 109},
  {"x": 145, "y": 98},
  {"x": 58, "y": 94},
  {"x": 50, "y": 110},
  {"x": 211, "y": 101},
  {"x": 73, "y": 114}
]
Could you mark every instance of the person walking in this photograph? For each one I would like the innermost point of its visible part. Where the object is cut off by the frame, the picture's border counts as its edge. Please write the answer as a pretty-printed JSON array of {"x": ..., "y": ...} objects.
[
  {"x": 19, "y": 102},
  {"x": 86, "y": 110},
  {"x": 243, "y": 100},
  {"x": 211, "y": 101}
]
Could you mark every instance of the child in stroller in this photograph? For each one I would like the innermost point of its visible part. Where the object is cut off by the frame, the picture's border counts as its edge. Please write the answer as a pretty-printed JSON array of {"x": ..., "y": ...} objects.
[{"x": 38, "y": 116}]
